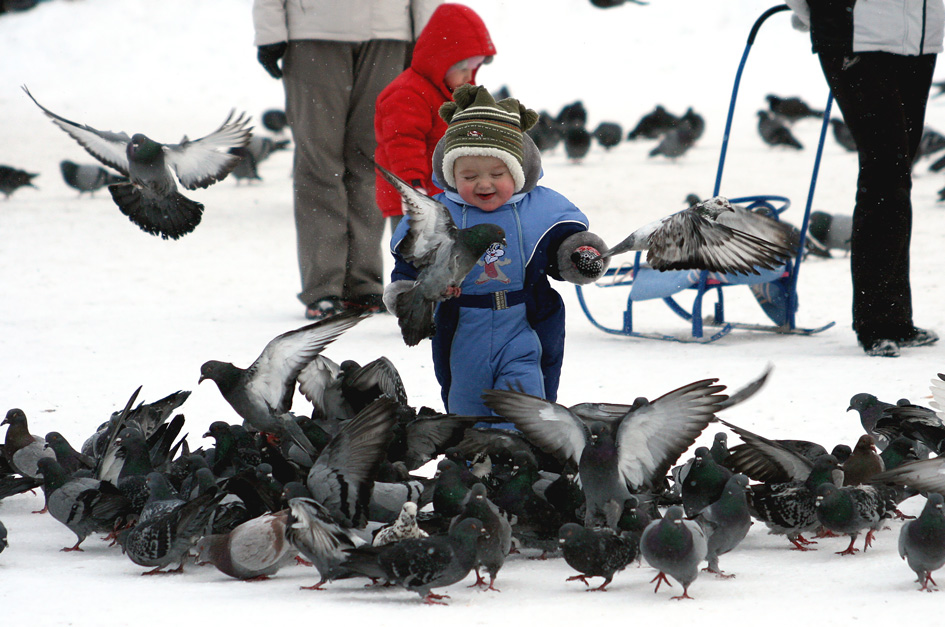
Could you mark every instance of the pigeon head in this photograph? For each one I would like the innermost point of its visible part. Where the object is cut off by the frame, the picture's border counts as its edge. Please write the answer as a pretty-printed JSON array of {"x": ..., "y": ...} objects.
[
  {"x": 481, "y": 236},
  {"x": 218, "y": 428},
  {"x": 713, "y": 207},
  {"x": 14, "y": 417},
  {"x": 224, "y": 374},
  {"x": 142, "y": 149}
]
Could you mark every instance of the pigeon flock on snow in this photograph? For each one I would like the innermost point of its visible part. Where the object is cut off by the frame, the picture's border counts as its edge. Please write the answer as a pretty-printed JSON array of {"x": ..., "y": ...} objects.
[{"x": 334, "y": 486}]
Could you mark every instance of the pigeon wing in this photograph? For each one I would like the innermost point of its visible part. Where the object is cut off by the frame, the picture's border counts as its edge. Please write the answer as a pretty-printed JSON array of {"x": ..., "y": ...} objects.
[
  {"x": 272, "y": 376},
  {"x": 924, "y": 475},
  {"x": 106, "y": 146},
  {"x": 431, "y": 226},
  {"x": 689, "y": 241},
  {"x": 938, "y": 395},
  {"x": 652, "y": 437},
  {"x": 766, "y": 460},
  {"x": 202, "y": 162},
  {"x": 380, "y": 373},
  {"x": 318, "y": 382},
  {"x": 549, "y": 426}
]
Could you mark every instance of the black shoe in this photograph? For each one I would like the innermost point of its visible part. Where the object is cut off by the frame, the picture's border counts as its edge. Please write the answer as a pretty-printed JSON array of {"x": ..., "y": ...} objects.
[
  {"x": 882, "y": 348},
  {"x": 919, "y": 337},
  {"x": 324, "y": 308},
  {"x": 368, "y": 303}
]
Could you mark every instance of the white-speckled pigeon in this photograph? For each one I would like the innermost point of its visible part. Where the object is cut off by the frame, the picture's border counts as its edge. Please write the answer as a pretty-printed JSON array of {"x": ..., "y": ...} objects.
[
  {"x": 401, "y": 529},
  {"x": 850, "y": 510},
  {"x": 442, "y": 252},
  {"x": 150, "y": 198}
]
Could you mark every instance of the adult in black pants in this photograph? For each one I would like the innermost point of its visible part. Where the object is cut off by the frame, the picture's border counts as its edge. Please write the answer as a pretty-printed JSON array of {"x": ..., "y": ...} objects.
[{"x": 879, "y": 68}]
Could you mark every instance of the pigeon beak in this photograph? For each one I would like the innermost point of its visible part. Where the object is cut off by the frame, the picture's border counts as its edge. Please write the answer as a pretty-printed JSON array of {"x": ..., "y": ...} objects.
[
  {"x": 200, "y": 380},
  {"x": 207, "y": 435}
]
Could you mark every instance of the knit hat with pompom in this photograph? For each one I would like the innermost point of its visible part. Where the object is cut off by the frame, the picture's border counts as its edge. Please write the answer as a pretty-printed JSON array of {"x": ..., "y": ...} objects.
[{"x": 480, "y": 126}]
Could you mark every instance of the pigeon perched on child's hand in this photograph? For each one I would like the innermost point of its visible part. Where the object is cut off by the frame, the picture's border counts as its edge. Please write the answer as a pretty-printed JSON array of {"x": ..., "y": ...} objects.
[{"x": 443, "y": 253}]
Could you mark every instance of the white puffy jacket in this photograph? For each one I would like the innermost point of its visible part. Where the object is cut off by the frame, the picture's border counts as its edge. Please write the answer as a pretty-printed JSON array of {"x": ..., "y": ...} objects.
[{"x": 339, "y": 20}]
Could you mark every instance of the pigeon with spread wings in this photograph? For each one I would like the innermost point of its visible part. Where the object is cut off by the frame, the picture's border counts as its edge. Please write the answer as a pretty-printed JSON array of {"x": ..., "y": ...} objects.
[
  {"x": 442, "y": 253},
  {"x": 708, "y": 236},
  {"x": 150, "y": 198}
]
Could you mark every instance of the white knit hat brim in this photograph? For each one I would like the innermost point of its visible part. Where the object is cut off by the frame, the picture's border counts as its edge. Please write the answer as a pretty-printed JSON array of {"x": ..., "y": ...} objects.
[{"x": 515, "y": 168}]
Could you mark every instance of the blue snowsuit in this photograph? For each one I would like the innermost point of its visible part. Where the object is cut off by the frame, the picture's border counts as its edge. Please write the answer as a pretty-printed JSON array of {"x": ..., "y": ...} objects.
[{"x": 507, "y": 327}]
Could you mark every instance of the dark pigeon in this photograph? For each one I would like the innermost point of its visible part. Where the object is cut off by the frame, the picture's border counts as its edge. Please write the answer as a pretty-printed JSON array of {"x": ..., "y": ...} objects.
[
  {"x": 168, "y": 538},
  {"x": 676, "y": 141},
  {"x": 572, "y": 115},
  {"x": 931, "y": 142},
  {"x": 12, "y": 179},
  {"x": 545, "y": 133},
  {"x": 774, "y": 132},
  {"x": 4, "y": 543},
  {"x": 577, "y": 142},
  {"x": 697, "y": 238},
  {"x": 922, "y": 541},
  {"x": 863, "y": 463},
  {"x": 274, "y": 120},
  {"x": 726, "y": 521},
  {"x": 597, "y": 552},
  {"x": 921, "y": 424},
  {"x": 841, "y": 133},
  {"x": 70, "y": 459},
  {"x": 870, "y": 410},
  {"x": 262, "y": 393},
  {"x": 253, "y": 550},
  {"x": 608, "y": 134},
  {"x": 850, "y": 510},
  {"x": 442, "y": 253},
  {"x": 614, "y": 459},
  {"x": 495, "y": 544},
  {"x": 675, "y": 547},
  {"x": 695, "y": 122},
  {"x": 704, "y": 483},
  {"x": 150, "y": 198},
  {"x": 87, "y": 177},
  {"x": 791, "y": 109},
  {"x": 653, "y": 124}
]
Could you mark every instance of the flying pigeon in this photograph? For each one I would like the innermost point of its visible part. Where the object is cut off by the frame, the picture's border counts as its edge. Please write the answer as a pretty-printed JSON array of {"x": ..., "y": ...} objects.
[
  {"x": 12, "y": 179},
  {"x": 774, "y": 132},
  {"x": 150, "y": 198},
  {"x": 850, "y": 510},
  {"x": 253, "y": 550},
  {"x": 404, "y": 527},
  {"x": 697, "y": 238},
  {"x": 443, "y": 253},
  {"x": 21, "y": 449},
  {"x": 87, "y": 177},
  {"x": 598, "y": 552},
  {"x": 922, "y": 541},
  {"x": 726, "y": 521},
  {"x": 262, "y": 393},
  {"x": 675, "y": 547},
  {"x": 632, "y": 453},
  {"x": 496, "y": 542}
]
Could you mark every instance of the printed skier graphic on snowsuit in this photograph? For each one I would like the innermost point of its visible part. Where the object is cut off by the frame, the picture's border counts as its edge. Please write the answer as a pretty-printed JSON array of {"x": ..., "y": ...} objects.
[{"x": 491, "y": 263}]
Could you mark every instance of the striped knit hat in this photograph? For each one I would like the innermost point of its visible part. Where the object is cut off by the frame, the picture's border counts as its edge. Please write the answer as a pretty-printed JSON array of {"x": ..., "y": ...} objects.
[{"x": 480, "y": 126}]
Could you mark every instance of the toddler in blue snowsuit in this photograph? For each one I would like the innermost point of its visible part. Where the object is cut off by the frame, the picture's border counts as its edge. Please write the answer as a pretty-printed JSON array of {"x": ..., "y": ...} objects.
[{"x": 506, "y": 328}]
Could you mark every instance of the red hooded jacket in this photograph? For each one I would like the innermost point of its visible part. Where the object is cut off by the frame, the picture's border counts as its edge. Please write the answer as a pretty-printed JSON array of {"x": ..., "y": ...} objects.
[{"x": 407, "y": 122}]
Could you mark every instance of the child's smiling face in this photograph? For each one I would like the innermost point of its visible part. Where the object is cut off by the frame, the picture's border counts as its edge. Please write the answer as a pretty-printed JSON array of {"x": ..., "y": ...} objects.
[{"x": 484, "y": 182}]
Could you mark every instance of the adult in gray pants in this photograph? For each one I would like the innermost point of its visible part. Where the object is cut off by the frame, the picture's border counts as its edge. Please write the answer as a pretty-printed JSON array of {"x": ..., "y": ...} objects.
[{"x": 336, "y": 57}]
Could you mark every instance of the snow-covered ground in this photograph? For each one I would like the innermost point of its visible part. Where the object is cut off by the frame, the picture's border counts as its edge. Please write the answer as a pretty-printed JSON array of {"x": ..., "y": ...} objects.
[{"x": 91, "y": 307}]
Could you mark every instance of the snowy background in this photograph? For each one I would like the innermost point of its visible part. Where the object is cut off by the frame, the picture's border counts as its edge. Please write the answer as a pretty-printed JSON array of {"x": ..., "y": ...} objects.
[{"x": 91, "y": 307}]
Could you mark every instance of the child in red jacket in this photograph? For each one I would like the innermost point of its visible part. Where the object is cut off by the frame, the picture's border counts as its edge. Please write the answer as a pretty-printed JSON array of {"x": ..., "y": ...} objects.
[{"x": 407, "y": 124}]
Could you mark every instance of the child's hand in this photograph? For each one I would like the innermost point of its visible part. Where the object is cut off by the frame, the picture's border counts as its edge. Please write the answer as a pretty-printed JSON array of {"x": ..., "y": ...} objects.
[{"x": 587, "y": 261}]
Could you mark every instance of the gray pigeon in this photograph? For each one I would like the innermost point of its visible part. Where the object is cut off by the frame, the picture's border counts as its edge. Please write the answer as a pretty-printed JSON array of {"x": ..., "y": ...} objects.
[
  {"x": 262, "y": 393},
  {"x": 342, "y": 477},
  {"x": 21, "y": 449},
  {"x": 676, "y": 141},
  {"x": 255, "y": 152},
  {"x": 922, "y": 541},
  {"x": 252, "y": 551},
  {"x": 404, "y": 527},
  {"x": 850, "y": 510},
  {"x": 162, "y": 497},
  {"x": 87, "y": 177},
  {"x": 675, "y": 547},
  {"x": 726, "y": 522},
  {"x": 495, "y": 544},
  {"x": 630, "y": 453},
  {"x": 697, "y": 237},
  {"x": 150, "y": 198},
  {"x": 442, "y": 253}
]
